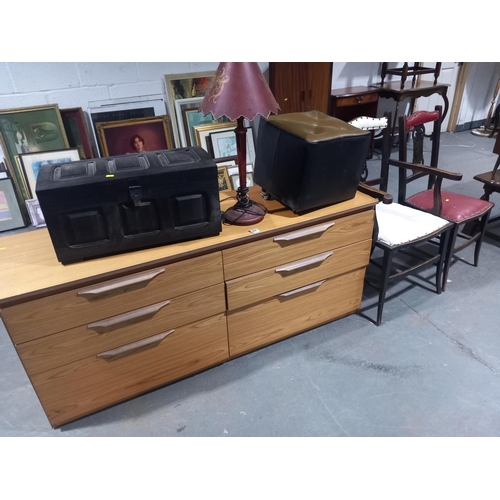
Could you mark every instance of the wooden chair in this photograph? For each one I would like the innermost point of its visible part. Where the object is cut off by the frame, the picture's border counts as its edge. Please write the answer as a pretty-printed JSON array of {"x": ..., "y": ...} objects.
[
  {"x": 491, "y": 179},
  {"x": 414, "y": 71},
  {"x": 461, "y": 210},
  {"x": 405, "y": 236}
]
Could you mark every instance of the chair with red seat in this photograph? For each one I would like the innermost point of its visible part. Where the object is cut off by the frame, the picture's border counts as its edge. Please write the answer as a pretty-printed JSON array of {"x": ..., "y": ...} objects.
[{"x": 459, "y": 209}]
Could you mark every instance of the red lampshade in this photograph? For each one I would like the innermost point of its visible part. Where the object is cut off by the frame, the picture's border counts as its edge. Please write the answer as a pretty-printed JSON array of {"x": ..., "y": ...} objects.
[{"x": 239, "y": 89}]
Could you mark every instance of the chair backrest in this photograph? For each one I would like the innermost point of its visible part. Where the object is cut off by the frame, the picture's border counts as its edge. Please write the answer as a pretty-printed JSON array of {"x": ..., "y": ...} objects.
[
  {"x": 418, "y": 168},
  {"x": 413, "y": 127}
]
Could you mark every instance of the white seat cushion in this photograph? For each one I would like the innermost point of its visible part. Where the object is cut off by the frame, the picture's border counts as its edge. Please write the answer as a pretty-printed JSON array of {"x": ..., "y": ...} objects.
[
  {"x": 368, "y": 123},
  {"x": 399, "y": 224}
]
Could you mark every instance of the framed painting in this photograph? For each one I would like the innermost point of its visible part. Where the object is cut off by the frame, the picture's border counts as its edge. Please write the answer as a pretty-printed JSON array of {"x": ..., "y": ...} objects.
[
  {"x": 32, "y": 162},
  {"x": 35, "y": 213},
  {"x": 77, "y": 132},
  {"x": 29, "y": 130},
  {"x": 10, "y": 213},
  {"x": 188, "y": 117},
  {"x": 235, "y": 180},
  {"x": 223, "y": 179},
  {"x": 135, "y": 136},
  {"x": 6, "y": 169},
  {"x": 223, "y": 144},
  {"x": 124, "y": 109},
  {"x": 202, "y": 134},
  {"x": 185, "y": 86}
]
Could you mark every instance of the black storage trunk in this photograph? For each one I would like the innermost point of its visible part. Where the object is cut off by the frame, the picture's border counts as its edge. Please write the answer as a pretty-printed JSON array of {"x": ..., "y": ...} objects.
[
  {"x": 112, "y": 205},
  {"x": 309, "y": 160}
]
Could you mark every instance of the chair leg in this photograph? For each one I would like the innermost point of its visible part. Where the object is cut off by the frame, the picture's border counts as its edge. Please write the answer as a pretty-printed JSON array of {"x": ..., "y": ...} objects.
[
  {"x": 449, "y": 254},
  {"x": 443, "y": 257},
  {"x": 384, "y": 282},
  {"x": 482, "y": 230}
]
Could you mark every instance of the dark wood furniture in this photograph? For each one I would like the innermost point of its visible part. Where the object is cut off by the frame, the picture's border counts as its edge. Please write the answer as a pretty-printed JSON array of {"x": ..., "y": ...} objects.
[
  {"x": 469, "y": 215},
  {"x": 351, "y": 102},
  {"x": 406, "y": 70},
  {"x": 401, "y": 231},
  {"x": 92, "y": 334},
  {"x": 301, "y": 86},
  {"x": 401, "y": 90},
  {"x": 491, "y": 184},
  {"x": 491, "y": 179}
]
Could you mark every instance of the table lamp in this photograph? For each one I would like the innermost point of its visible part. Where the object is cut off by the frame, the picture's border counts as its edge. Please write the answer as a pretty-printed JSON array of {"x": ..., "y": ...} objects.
[{"x": 238, "y": 91}]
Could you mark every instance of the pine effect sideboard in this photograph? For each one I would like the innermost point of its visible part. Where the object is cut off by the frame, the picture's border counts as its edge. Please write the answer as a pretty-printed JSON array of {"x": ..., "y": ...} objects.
[{"x": 95, "y": 333}]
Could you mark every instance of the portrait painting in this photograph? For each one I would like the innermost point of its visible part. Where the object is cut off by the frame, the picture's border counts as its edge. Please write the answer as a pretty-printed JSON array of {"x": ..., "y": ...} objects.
[
  {"x": 135, "y": 136},
  {"x": 129, "y": 108}
]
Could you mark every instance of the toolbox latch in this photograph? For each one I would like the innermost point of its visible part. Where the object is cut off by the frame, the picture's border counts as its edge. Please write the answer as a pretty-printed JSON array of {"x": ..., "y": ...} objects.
[{"x": 136, "y": 194}]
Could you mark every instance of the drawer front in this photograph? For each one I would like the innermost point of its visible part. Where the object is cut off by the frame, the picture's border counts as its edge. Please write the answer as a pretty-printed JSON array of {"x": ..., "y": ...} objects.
[
  {"x": 282, "y": 316},
  {"x": 266, "y": 284},
  {"x": 295, "y": 245},
  {"x": 88, "y": 340},
  {"x": 41, "y": 317},
  {"x": 356, "y": 100},
  {"x": 91, "y": 384}
]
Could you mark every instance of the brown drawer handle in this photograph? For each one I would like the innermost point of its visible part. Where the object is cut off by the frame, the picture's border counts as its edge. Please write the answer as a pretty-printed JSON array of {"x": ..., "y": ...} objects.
[
  {"x": 129, "y": 318},
  {"x": 304, "y": 232},
  {"x": 299, "y": 264},
  {"x": 120, "y": 285},
  {"x": 134, "y": 347},
  {"x": 302, "y": 289}
]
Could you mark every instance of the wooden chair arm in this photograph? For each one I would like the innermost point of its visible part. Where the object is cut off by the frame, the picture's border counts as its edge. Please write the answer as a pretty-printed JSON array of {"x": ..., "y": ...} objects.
[
  {"x": 382, "y": 196},
  {"x": 444, "y": 174}
]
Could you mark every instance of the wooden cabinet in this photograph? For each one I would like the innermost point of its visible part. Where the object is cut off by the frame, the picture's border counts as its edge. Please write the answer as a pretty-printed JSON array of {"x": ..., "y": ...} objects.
[
  {"x": 351, "y": 102},
  {"x": 95, "y": 333},
  {"x": 301, "y": 86}
]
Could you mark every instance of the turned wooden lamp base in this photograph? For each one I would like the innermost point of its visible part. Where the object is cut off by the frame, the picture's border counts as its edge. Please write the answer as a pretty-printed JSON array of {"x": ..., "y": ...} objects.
[{"x": 245, "y": 212}]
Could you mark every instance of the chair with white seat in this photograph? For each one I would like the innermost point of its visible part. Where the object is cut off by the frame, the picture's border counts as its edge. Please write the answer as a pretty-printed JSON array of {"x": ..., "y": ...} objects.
[{"x": 406, "y": 236}]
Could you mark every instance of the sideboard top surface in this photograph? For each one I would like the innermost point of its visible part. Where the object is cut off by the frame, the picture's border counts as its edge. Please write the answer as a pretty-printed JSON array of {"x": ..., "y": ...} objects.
[{"x": 29, "y": 267}]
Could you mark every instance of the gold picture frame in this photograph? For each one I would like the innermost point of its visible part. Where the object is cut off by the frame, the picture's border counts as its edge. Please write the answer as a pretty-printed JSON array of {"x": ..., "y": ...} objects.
[
  {"x": 116, "y": 137},
  {"x": 202, "y": 134},
  {"x": 223, "y": 179}
]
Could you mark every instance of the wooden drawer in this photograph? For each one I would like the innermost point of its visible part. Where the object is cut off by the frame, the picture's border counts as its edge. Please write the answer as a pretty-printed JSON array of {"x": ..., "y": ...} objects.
[
  {"x": 88, "y": 385},
  {"x": 266, "y": 284},
  {"x": 301, "y": 310},
  {"x": 87, "y": 340},
  {"x": 62, "y": 311},
  {"x": 271, "y": 252},
  {"x": 355, "y": 100}
]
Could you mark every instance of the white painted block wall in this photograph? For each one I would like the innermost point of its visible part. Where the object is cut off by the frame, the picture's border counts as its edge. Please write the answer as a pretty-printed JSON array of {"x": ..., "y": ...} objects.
[{"x": 75, "y": 84}]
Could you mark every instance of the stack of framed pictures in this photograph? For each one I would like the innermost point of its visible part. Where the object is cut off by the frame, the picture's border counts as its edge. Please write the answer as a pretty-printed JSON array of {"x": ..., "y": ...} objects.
[
  {"x": 27, "y": 130},
  {"x": 31, "y": 164},
  {"x": 228, "y": 175},
  {"x": 130, "y": 108},
  {"x": 219, "y": 140},
  {"x": 186, "y": 91}
]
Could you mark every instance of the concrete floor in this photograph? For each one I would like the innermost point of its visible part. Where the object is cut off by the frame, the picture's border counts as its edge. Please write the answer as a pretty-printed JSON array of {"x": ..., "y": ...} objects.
[{"x": 431, "y": 369}]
